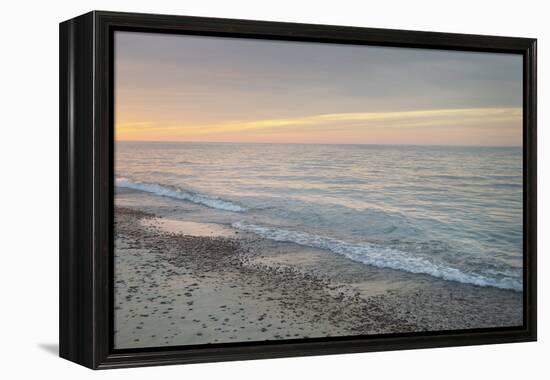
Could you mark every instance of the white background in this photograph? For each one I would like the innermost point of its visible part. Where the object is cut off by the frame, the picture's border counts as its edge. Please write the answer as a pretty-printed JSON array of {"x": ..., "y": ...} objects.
[{"x": 29, "y": 187}]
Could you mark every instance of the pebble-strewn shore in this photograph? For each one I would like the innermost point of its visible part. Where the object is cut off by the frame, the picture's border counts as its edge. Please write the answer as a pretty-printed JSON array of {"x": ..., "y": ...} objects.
[{"x": 175, "y": 289}]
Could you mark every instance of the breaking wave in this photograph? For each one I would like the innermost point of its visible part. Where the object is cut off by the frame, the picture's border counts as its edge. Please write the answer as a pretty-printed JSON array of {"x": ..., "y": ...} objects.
[
  {"x": 382, "y": 257},
  {"x": 185, "y": 195}
]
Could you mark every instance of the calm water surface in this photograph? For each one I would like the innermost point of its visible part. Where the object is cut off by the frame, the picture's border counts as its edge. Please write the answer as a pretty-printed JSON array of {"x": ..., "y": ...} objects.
[{"x": 450, "y": 212}]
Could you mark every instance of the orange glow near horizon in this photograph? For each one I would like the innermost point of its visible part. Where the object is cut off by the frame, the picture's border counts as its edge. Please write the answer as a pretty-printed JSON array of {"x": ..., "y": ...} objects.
[{"x": 471, "y": 126}]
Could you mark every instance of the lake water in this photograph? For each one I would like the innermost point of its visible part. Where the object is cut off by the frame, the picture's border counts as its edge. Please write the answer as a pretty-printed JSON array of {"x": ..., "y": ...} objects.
[{"x": 449, "y": 212}]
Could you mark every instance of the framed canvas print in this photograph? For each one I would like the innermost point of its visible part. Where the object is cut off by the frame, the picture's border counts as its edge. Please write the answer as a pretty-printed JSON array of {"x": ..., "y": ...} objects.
[{"x": 237, "y": 189}]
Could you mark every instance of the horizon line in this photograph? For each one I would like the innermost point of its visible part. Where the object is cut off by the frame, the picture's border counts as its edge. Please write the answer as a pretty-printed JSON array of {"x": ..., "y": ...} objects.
[{"x": 314, "y": 143}]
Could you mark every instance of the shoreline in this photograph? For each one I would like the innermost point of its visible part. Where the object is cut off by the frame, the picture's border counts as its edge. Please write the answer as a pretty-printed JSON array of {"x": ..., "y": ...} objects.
[{"x": 176, "y": 289}]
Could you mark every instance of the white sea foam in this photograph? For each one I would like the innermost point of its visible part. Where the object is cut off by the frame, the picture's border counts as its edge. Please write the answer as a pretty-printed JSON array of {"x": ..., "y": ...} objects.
[
  {"x": 381, "y": 257},
  {"x": 165, "y": 191}
]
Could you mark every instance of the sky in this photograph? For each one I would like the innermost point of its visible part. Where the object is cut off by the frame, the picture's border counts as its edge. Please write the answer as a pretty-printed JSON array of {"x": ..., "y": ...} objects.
[{"x": 214, "y": 89}]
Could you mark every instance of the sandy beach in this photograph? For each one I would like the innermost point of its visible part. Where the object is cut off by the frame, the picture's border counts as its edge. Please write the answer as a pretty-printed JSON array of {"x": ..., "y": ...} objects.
[{"x": 182, "y": 282}]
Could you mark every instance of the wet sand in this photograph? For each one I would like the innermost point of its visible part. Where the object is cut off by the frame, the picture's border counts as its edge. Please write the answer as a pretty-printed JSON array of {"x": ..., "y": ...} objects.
[{"x": 181, "y": 282}]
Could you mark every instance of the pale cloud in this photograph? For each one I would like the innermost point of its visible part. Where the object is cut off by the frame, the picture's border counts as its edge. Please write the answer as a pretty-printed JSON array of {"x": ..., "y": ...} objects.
[{"x": 462, "y": 126}]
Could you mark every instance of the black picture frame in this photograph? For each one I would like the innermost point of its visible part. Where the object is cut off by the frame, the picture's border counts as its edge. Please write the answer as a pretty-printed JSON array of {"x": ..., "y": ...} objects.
[{"x": 86, "y": 188}]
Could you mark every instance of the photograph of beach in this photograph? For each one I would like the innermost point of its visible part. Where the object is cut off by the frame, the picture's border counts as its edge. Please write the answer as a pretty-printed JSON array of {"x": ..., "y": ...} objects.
[{"x": 280, "y": 190}]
